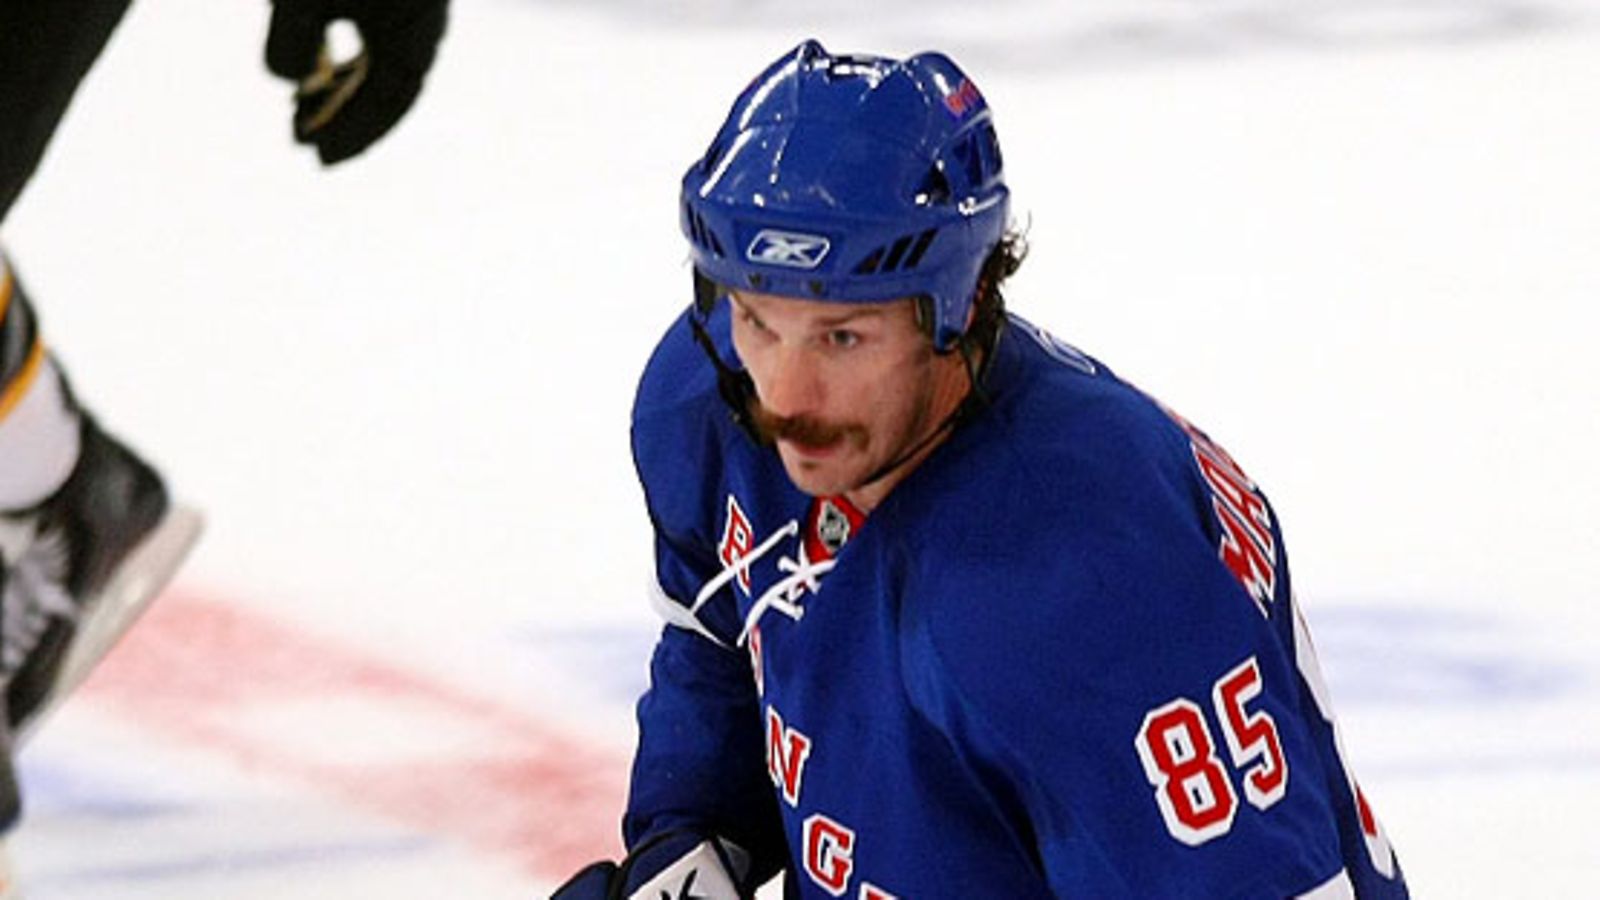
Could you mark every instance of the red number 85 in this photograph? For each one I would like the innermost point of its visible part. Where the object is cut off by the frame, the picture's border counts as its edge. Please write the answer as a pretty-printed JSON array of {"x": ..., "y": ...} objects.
[{"x": 1193, "y": 792}]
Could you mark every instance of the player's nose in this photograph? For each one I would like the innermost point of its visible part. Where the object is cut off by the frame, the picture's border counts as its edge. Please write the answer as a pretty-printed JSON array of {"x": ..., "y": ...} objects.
[{"x": 793, "y": 386}]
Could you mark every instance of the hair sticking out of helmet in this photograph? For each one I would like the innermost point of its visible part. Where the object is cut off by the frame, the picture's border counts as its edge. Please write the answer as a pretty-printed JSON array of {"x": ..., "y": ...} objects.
[{"x": 852, "y": 179}]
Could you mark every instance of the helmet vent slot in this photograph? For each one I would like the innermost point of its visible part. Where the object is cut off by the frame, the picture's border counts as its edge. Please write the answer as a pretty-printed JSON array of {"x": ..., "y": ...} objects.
[
  {"x": 700, "y": 233},
  {"x": 870, "y": 264},
  {"x": 935, "y": 188},
  {"x": 967, "y": 155},
  {"x": 921, "y": 247},
  {"x": 902, "y": 255},
  {"x": 993, "y": 163},
  {"x": 896, "y": 253},
  {"x": 978, "y": 154}
]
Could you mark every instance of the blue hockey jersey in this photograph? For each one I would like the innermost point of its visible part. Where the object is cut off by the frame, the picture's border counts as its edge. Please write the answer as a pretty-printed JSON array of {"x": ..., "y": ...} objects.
[{"x": 1061, "y": 659}]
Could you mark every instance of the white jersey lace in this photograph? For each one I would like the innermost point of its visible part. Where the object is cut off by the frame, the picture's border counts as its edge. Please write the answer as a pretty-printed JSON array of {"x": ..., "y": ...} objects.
[{"x": 800, "y": 576}]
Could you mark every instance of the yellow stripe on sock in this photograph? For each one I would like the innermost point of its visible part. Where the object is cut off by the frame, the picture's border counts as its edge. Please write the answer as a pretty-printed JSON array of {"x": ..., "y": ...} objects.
[
  {"x": 18, "y": 388},
  {"x": 5, "y": 290}
]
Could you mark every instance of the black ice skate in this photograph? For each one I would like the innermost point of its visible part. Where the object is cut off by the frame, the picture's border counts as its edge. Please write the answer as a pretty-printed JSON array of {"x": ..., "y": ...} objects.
[{"x": 78, "y": 570}]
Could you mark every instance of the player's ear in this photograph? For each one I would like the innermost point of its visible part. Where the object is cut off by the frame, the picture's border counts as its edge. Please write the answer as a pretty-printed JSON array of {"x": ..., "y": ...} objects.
[{"x": 922, "y": 308}]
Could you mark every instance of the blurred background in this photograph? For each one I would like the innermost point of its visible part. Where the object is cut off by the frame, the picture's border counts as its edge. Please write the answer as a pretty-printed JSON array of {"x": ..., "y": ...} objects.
[{"x": 1354, "y": 240}]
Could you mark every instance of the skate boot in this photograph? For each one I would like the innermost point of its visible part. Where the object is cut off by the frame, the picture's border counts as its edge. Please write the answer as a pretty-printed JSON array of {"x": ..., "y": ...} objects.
[
  {"x": 8, "y": 878},
  {"x": 78, "y": 570}
]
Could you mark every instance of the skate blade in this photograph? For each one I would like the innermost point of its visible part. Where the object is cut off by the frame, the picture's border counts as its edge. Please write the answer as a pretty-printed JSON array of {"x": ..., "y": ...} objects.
[{"x": 109, "y": 615}]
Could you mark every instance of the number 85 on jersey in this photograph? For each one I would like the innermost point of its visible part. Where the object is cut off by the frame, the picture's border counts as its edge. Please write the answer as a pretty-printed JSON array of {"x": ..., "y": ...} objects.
[{"x": 1192, "y": 787}]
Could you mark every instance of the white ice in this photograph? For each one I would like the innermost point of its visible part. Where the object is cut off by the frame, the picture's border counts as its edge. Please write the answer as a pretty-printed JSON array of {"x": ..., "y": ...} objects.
[{"x": 1358, "y": 241}]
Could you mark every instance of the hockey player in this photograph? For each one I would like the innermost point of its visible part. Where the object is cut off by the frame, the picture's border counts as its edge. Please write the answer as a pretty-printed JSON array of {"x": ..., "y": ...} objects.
[
  {"x": 952, "y": 610},
  {"x": 87, "y": 533}
]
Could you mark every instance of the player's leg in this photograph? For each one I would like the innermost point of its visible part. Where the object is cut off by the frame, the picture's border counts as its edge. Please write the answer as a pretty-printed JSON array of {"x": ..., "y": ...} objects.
[
  {"x": 45, "y": 49},
  {"x": 75, "y": 507},
  {"x": 87, "y": 535}
]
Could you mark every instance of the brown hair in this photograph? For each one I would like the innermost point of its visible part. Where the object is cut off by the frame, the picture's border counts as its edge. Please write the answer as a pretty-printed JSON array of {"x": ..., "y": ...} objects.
[{"x": 989, "y": 303}]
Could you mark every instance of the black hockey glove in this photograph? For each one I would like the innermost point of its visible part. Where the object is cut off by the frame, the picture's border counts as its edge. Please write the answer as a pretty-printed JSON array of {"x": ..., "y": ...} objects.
[
  {"x": 342, "y": 109},
  {"x": 673, "y": 864}
]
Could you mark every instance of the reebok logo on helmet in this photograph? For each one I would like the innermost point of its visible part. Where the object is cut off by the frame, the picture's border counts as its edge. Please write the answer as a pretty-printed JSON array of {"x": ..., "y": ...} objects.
[{"x": 786, "y": 248}]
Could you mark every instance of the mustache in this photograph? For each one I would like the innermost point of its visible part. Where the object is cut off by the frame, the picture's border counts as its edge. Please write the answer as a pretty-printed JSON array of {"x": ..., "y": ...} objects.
[{"x": 808, "y": 430}]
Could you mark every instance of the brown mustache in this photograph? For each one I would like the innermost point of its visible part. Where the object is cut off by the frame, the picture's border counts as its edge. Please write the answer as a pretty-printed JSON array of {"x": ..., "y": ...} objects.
[{"x": 812, "y": 432}]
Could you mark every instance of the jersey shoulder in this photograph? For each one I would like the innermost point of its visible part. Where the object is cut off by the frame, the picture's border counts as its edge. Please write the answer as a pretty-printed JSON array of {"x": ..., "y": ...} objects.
[
  {"x": 1080, "y": 458},
  {"x": 681, "y": 428},
  {"x": 1074, "y": 513},
  {"x": 676, "y": 380},
  {"x": 1068, "y": 604}
]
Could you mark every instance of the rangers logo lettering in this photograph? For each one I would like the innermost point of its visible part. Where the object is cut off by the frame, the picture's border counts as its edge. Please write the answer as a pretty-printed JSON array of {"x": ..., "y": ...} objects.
[
  {"x": 787, "y": 750},
  {"x": 829, "y": 848},
  {"x": 786, "y": 248},
  {"x": 737, "y": 540}
]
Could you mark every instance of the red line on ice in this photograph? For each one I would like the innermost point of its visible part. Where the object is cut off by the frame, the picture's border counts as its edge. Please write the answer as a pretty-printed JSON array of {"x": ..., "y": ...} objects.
[{"x": 193, "y": 668}]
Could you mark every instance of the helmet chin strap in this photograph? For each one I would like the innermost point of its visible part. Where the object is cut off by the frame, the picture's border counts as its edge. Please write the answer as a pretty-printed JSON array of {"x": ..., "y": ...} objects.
[
  {"x": 971, "y": 404},
  {"x": 737, "y": 388}
]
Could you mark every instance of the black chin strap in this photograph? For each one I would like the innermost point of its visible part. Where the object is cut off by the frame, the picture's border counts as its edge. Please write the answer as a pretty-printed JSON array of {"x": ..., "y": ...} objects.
[
  {"x": 974, "y": 402},
  {"x": 735, "y": 385}
]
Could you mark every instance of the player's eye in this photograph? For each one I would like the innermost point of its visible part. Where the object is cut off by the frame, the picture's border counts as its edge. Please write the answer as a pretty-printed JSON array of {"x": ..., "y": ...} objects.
[
  {"x": 749, "y": 319},
  {"x": 843, "y": 338}
]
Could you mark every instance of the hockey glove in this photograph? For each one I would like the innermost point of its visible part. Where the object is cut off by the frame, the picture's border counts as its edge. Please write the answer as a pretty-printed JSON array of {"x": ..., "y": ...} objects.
[
  {"x": 673, "y": 864},
  {"x": 341, "y": 109}
]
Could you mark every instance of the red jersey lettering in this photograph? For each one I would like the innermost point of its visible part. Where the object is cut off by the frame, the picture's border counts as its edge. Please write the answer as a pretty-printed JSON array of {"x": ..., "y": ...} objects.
[
  {"x": 828, "y": 847},
  {"x": 1240, "y": 553},
  {"x": 1245, "y": 545},
  {"x": 738, "y": 538},
  {"x": 1231, "y": 487},
  {"x": 787, "y": 750}
]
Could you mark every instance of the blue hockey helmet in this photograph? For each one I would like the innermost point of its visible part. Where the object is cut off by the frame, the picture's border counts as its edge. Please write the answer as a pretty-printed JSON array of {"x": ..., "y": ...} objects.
[{"x": 852, "y": 179}]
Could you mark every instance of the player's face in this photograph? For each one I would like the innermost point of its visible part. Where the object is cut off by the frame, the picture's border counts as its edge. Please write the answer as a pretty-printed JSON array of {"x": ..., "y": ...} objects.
[{"x": 843, "y": 389}]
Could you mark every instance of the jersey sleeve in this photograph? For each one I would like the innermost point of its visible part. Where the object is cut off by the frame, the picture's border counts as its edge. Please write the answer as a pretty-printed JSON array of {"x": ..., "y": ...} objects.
[
  {"x": 1118, "y": 691},
  {"x": 45, "y": 51},
  {"x": 1145, "y": 765},
  {"x": 700, "y": 761}
]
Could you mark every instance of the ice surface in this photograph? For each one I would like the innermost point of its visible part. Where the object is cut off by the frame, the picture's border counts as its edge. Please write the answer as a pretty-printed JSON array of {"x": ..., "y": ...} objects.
[{"x": 1357, "y": 241}]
